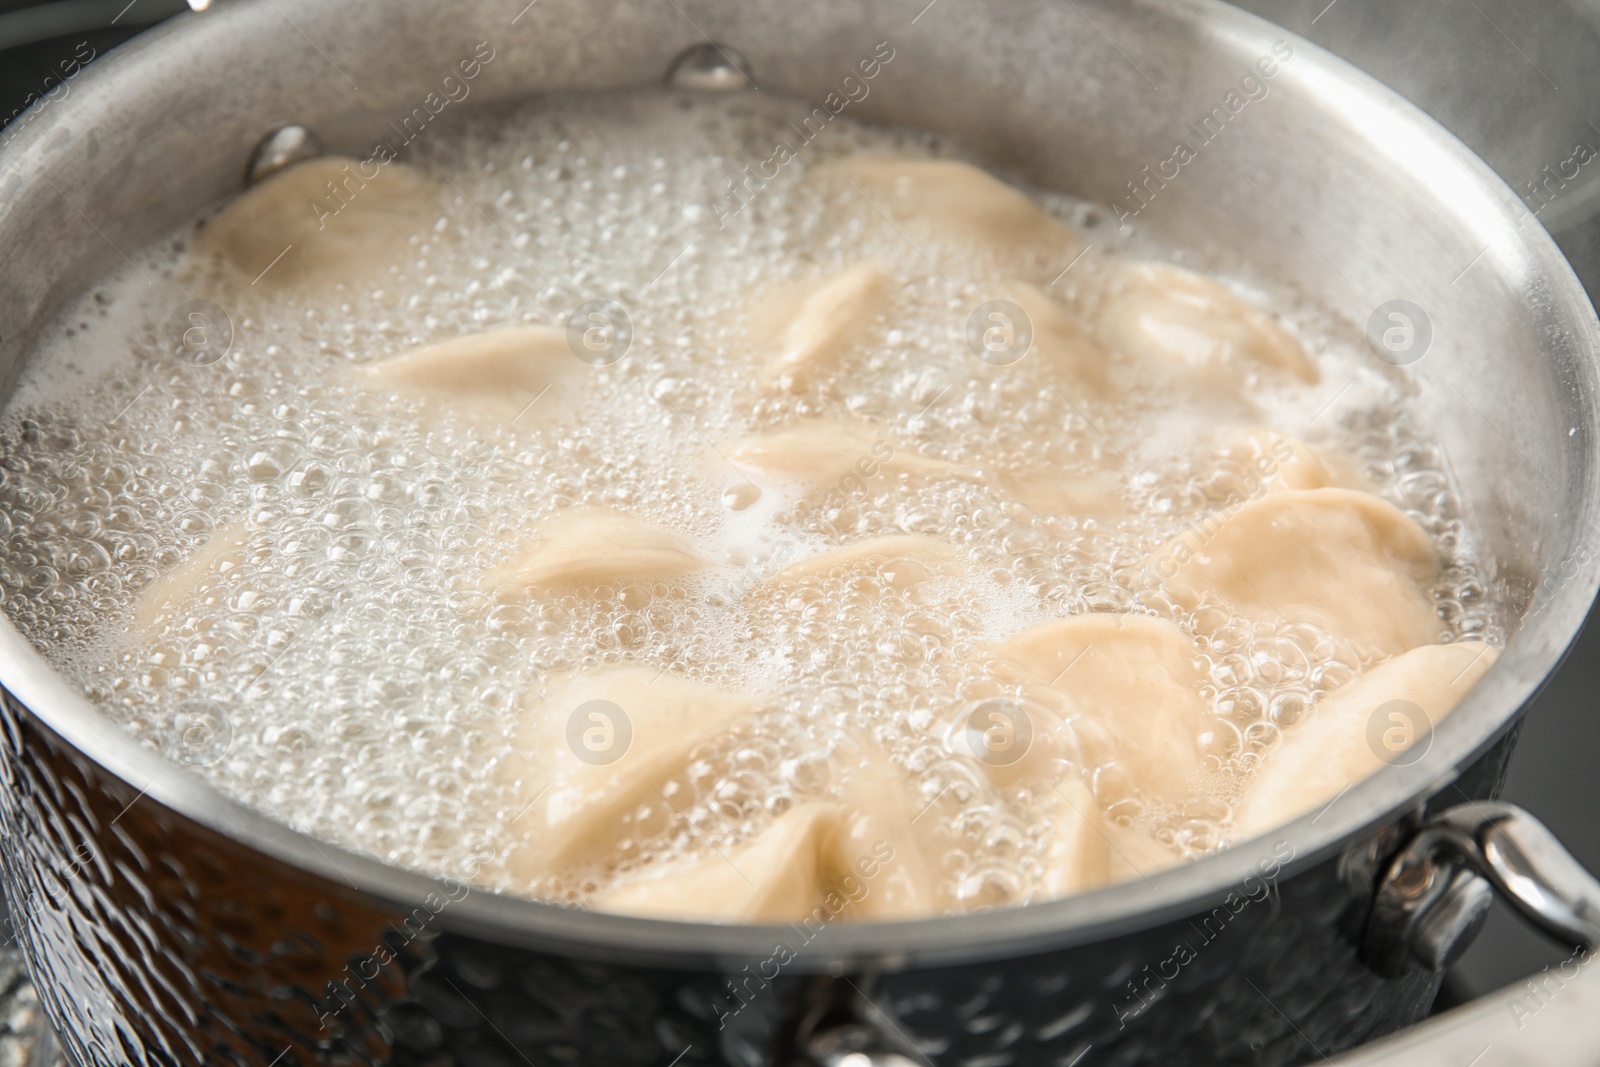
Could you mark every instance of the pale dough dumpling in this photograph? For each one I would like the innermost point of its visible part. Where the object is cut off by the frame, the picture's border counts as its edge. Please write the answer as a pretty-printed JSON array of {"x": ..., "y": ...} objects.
[
  {"x": 502, "y": 374},
  {"x": 1087, "y": 851},
  {"x": 909, "y": 559},
  {"x": 1063, "y": 344},
  {"x": 328, "y": 222},
  {"x": 1133, "y": 675},
  {"x": 811, "y": 325},
  {"x": 227, "y": 550},
  {"x": 587, "y": 547},
  {"x": 1077, "y": 855},
  {"x": 1342, "y": 560},
  {"x": 860, "y": 857},
  {"x": 880, "y": 842},
  {"x": 955, "y": 203},
  {"x": 576, "y": 807},
  {"x": 1061, "y": 341},
  {"x": 773, "y": 877},
  {"x": 824, "y": 452},
  {"x": 1341, "y": 744},
  {"x": 1052, "y": 491},
  {"x": 1279, "y": 461},
  {"x": 1186, "y": 327},
  {"x": 989, "y": 730},
  {"x": 1135, "y": 854},
  {"x": 828, "y": 454}
]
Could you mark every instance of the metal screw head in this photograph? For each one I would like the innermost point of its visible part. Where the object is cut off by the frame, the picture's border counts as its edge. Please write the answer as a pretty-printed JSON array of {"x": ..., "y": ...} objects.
[
  {"x": 710, "y": 66},
  {"x": 283, "y": 147}
]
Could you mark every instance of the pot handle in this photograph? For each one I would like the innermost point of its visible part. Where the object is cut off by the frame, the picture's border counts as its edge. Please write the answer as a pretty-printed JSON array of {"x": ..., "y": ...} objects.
[{"x": 1436, "y": 893}]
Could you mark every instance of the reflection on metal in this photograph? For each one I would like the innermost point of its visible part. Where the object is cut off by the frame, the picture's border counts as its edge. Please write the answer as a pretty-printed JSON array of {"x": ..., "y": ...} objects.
[
  {"x": 710, "y": 66},
  {"x": 1435, "y": 896},
  {"x": 1436, "y": 893},
  {"x": 283, "y": 147}
]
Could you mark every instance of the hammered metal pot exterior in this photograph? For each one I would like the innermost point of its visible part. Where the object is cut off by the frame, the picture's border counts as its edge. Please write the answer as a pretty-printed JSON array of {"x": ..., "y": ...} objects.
[{"x": 157, "y": 941}]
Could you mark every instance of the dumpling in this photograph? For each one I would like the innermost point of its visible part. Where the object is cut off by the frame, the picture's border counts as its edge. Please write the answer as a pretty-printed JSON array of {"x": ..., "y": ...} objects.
[
  {"x": 1086, "y": 851},
  {"x": 860, "y": 857},
  {"x": 1342, "y": 560},
  {"x": 1077, "y": 855},
  {"x": 1062, "y": 342},
  {"x": 1134, "y": 676},
  {"x": 954, "y": 203},
  {"x": 1017, "y": 742},
  {"x": 828, "y": 453},
  {"x": 577, "y": 802},
  {"x": 1188, "y": 328},
  {"x": 879, "y": 844},
  {"x": 1271, "y": 460},
  {"x": 588, "y": 547},
  {"x": 1352, "y": 732},
  {"x": 499, "y": 374},
  {"x": 773, "y": 877},
  {"x": 1135, "y": 854},
  {"x": 228, "y": 549},
  {"x": 847, "y": 457},
  {"x": 811, "y": 326},
  {"x": 909, "y": 560},
  {"x": 319, "y": 224},
  {"x": 1053, "y": 491}
]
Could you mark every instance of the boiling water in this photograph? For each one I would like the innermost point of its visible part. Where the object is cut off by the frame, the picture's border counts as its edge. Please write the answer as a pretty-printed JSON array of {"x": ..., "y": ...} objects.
[{"x": 356, "y": 684}]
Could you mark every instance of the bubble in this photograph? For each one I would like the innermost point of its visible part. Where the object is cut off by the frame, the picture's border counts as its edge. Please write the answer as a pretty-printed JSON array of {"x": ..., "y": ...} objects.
[{"x": 710, "y": 66}]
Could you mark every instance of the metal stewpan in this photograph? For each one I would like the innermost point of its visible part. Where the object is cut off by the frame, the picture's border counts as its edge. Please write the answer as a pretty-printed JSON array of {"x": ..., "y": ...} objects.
[{"x": 166, "y": 924}]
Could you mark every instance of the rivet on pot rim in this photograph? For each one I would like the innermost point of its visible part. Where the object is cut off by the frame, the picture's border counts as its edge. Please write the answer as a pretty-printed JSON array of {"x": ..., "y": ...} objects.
[
  {"x": 283, "y": 147},
  {"x": 710, "y": 66}
]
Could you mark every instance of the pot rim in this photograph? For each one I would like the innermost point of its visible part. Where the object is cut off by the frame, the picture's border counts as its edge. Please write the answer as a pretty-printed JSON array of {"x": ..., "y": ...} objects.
[{"x": 1417, "y": 146}]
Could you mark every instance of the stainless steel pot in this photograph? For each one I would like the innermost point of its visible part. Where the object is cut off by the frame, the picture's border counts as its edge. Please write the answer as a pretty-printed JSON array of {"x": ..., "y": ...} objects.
[{"x": 166, "y": 924}]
